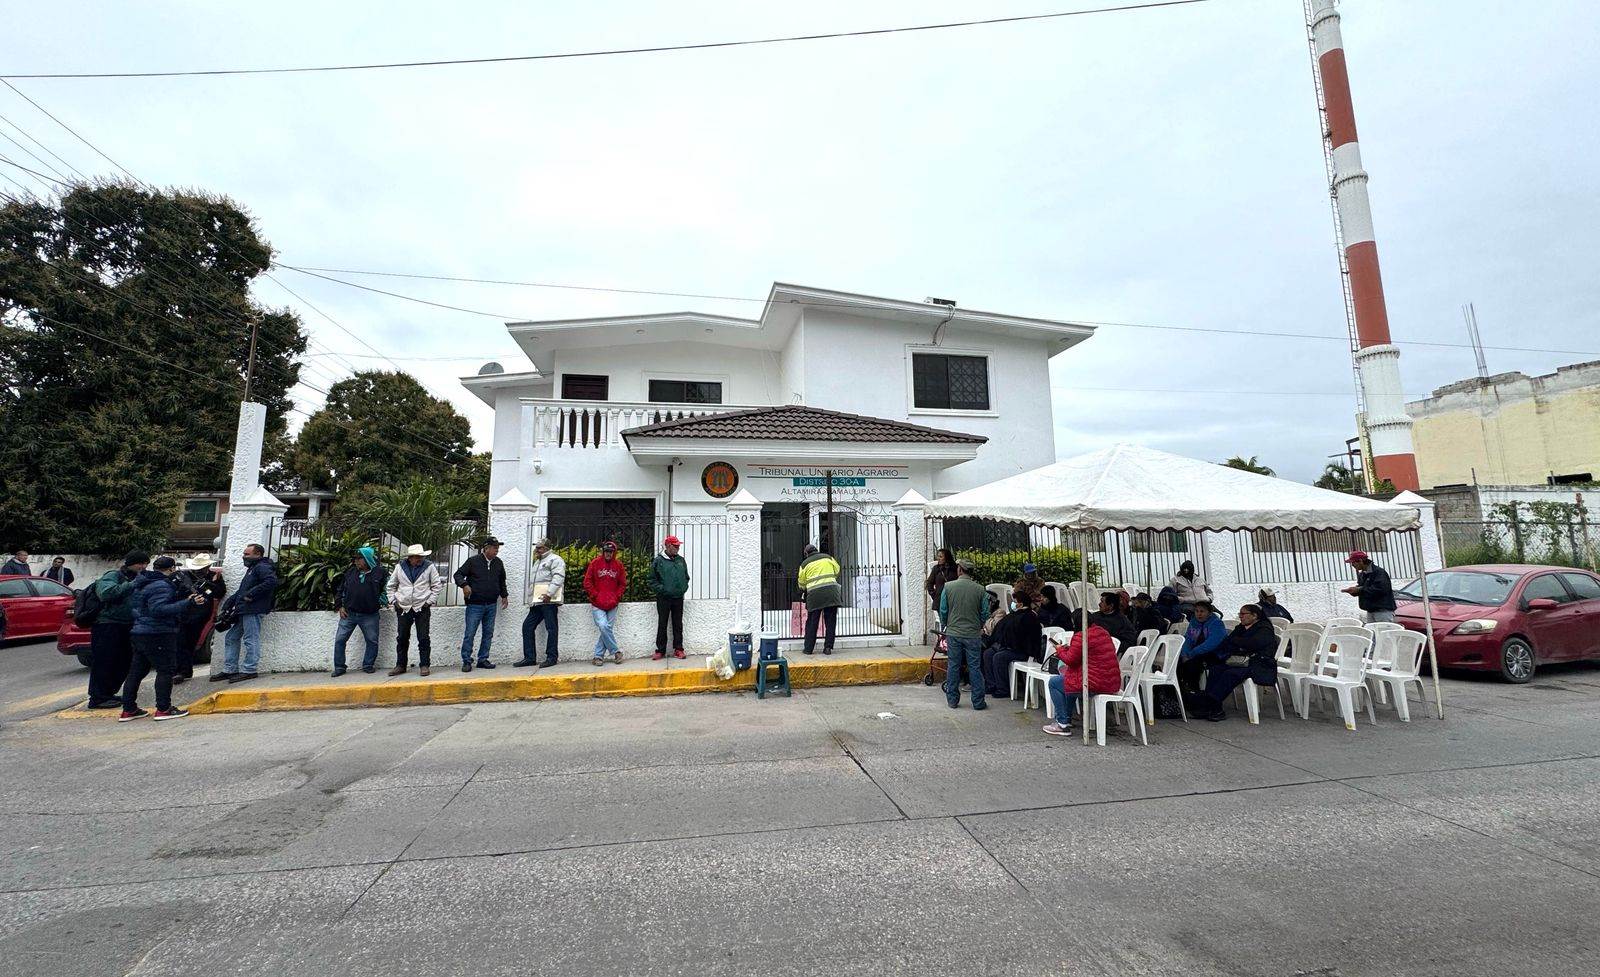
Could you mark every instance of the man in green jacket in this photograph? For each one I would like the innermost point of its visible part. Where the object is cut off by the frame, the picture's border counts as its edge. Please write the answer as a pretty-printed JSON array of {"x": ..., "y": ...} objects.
[
  {"x": 669, "y": 580},
  {"x": 963, "y": 607},
  {"x": 110, "y": 636}
]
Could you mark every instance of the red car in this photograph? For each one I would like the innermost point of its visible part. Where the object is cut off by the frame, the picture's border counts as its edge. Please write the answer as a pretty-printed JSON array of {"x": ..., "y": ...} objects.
[
  {"x": 1507, "y": 618},
  {"x": 34, "y": 606}
]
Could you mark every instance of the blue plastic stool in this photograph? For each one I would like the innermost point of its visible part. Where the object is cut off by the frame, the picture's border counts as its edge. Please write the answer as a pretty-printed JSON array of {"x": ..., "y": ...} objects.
[{"x": 782, "y": 665}]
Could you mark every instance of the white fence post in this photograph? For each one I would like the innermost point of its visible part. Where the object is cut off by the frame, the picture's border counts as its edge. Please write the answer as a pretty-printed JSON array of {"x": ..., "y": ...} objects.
[
  {"x": 1428, "y": 530},
  {"x": 914, "y": 605},
  {"x": 744, "y": 558}
]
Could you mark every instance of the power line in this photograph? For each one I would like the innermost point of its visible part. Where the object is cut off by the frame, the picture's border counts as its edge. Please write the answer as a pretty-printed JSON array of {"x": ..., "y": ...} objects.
[
  {"x": 608, "y": 52},
  {"x": 506, "y": 317}
]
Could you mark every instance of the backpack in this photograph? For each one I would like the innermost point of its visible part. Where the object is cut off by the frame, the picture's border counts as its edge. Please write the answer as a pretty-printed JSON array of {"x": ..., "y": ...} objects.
[{"x": 86, "y": 606}]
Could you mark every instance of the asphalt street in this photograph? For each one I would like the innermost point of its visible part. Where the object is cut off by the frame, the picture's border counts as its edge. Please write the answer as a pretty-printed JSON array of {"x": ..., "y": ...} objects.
[{"x": 843, "y": 831}]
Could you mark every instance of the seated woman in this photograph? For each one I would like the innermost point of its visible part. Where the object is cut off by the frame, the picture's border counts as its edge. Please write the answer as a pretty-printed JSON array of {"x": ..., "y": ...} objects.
[
  {"x": 1116, "y": 623},
  {"x": 1254, "y": 640},
  {"x": 1202, "y": 646},
  {"x": 1053, "y": 613},
  {"x": 1016, "y": 638},
  {"x": 1066, "y": 686},
  {"x": 986, "y": 635}
]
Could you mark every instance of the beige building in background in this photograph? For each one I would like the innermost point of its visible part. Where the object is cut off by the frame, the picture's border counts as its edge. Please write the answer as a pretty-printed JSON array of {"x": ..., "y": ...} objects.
[{"x": 1510, "y": 429}]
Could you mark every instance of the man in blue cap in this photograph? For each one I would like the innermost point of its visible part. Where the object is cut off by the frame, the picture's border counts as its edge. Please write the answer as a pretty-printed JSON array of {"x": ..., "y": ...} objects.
[
  {"x": 1030, "y": 583},
  {"x": 358, "y": 599}
]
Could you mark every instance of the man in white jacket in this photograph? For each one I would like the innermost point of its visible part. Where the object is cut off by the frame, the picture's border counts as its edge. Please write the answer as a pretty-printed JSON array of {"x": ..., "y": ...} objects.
[{"x": 414, "y": 587}]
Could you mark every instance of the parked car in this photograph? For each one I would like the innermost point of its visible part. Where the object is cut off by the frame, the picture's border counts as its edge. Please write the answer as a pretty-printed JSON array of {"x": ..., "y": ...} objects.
[
  {"x": 34, "y": 606},
  {"x": 74, "y": 640},
  {"x": 1507, "y": 618}
]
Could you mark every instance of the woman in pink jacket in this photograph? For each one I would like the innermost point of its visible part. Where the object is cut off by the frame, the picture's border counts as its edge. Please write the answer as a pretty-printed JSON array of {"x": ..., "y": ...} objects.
[{"x": 1105, "y": 675}]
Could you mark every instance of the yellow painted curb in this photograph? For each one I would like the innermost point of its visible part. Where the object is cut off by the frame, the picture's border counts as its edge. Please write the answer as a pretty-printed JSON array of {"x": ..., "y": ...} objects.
[{"x": 600, "y": 684}]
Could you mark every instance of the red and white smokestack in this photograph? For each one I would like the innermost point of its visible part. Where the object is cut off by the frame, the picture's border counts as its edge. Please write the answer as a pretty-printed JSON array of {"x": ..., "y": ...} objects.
[{"x": 1378, "y": 361}]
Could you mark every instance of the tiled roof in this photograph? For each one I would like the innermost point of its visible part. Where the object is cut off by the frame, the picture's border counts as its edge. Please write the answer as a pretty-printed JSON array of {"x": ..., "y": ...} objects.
[{"x": 797, "y": 423}]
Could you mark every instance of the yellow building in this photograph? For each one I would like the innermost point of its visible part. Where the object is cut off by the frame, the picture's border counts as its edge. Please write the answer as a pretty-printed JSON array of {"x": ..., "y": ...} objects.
[{"x": 1510, "y": 429}]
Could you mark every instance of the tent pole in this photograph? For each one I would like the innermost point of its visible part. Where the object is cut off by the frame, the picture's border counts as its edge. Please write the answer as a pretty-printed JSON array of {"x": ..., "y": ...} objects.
[
  {"x": 1083, "y": 634},
  {"x": 1427, "y": 620}
]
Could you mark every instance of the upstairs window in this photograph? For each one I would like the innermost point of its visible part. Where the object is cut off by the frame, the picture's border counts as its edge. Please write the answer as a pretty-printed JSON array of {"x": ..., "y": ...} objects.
[
  {"x": 942, "y": 381},
  {"x": 585, "y": 386},
  {"x": 685, "y": 392},
  {"x": 199, "y": 511}
]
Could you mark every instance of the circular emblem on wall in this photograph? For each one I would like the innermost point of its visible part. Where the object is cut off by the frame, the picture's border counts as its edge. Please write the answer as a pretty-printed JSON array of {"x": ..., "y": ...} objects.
[{"x": 719, "y": 479}]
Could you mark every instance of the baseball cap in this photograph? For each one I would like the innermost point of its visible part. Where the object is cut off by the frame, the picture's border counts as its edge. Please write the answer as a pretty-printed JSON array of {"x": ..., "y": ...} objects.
[
  {"x": 1356, "y": 557},
  {"x": 673, "y": 541},
  {"x": 1269, "y": 592},
  {"x": 164, "y": 563},
  {"x": 1029, "y": 568}
]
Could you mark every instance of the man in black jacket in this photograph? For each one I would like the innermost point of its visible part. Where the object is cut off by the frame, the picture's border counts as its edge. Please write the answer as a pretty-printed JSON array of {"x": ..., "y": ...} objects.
[
  {"x": 482, "y": 580},
  {"x": 1116, "y": 623},
  {"x": 1373, "y": 591},
  {"x": 360, "y": 595},
  {"x": 59, "y": 572}
]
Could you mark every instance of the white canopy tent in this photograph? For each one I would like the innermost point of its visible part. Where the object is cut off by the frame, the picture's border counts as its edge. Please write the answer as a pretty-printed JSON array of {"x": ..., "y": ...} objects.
[{"x": 1132, "y": 488}]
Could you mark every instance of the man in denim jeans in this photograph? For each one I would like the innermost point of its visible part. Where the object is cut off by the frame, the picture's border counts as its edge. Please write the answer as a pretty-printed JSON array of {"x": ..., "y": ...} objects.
[
  {"x": 482, "y": 580},
  {"x": 251, "y": 602},
  {"x": 361, "y": 593},
  {"x": 963, "y": 606}
]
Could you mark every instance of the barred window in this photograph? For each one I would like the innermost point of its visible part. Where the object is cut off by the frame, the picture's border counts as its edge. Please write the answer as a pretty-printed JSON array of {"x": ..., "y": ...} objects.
[{"x": 944, "y": 382}]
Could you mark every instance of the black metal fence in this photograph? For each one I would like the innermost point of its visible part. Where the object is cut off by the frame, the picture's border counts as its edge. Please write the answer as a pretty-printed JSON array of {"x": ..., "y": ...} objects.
[
  {"x": 1318, "y": 555},
  {"x": 867, "y": 547},
  {"x": 639, "y": 538},
  {"x": 1115, "y": 558},
  {"x": 283, "y": 533},
  {"x": 1557, "y": 541}
]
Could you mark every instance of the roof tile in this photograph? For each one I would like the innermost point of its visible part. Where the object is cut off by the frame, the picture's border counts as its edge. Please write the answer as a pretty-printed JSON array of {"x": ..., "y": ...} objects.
[{"x": 798, "y": 423}]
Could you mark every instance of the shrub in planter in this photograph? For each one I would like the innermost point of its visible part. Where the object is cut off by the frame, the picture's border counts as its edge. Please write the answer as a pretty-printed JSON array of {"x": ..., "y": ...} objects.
[
  {"x": 309, "y": 572},
  {"x": 1055, "y": 563}
]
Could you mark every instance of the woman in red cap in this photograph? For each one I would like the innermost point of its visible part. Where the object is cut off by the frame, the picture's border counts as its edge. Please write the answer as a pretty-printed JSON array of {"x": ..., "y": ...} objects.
[{"x": 669, "y": 580}]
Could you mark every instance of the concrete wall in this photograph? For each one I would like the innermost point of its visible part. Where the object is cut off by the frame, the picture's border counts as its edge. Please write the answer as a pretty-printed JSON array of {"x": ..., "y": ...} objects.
[
  {"x": 303, "y": 640},
  {"x": 84, "y": 567},
  {"x": 1510, "y": 429},
  {"x": 1018, "y": 425}
]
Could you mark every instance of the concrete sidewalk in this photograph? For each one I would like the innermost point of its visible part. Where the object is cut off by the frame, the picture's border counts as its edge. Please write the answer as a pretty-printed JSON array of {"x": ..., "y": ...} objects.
[{"x": 576, "y": 678}]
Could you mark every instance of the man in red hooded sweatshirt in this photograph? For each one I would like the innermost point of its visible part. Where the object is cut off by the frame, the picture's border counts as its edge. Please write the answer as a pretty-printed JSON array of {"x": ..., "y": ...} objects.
[{"x": 605, "y": 581}]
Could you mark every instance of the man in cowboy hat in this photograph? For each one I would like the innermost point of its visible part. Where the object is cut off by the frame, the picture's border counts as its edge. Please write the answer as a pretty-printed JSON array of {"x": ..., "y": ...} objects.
[
  {"x": 669, "y": 581},
  {"x": 198, "y": 581},
  {"x": 414, "y": 588}
]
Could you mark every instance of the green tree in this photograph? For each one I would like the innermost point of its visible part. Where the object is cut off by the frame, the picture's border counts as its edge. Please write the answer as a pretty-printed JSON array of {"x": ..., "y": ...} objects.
[
  {"x": 470, "y": 481},
  {"x": 125, "y": 321},
  {"x": 1340, "y": 479},
  {"x": 1248, "y": 465},
  {"x": 377, "y": 429},
  {"x": 417, "y": 511}
]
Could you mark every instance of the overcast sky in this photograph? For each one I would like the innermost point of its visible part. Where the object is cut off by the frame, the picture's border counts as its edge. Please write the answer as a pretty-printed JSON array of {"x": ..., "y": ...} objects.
[{"x": 1158, "y": 167}]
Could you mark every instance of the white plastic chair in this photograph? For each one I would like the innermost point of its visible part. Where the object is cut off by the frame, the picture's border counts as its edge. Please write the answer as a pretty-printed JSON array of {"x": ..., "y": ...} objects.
[
  {"x": 1053, "y": 638},
  {"x": 1178, "y": 627},
  {"x": 1163, "y": 670},
  {"x": 1081, "y": 595},
  {"x": 1347, "y": 679},
  {"x": 1001, "y": 592},
  {"x": 1148, "y": 637},
  {"x": 1343, "y": 622},
  {"x": 1297, "y": 659},
  {"x": 1060, "y": 590},
  {"x": 1128, "y": 697},
  {"x": 1397, "y": 664},
  {"x": 1330, "y": 650},
  {"x": 1279, "y": 624},
  {"x": 1252, "y": 691}
]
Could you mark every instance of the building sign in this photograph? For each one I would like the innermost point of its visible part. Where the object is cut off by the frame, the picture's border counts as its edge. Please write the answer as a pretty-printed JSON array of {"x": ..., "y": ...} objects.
[
  {"x": 809, "y": 483},
  {"x": 719, "y": 480}
]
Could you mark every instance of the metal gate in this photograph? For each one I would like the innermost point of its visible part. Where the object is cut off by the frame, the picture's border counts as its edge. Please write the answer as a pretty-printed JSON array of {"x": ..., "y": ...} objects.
[{"x": 867, "y": 546}]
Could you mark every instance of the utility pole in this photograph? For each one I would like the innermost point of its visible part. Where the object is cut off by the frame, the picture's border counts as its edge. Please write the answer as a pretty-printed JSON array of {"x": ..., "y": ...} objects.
[{"x": 250, "y": 370}]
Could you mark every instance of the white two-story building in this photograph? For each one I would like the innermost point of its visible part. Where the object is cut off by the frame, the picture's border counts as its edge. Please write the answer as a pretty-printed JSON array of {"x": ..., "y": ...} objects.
[{"x": 627, "y": 422}]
